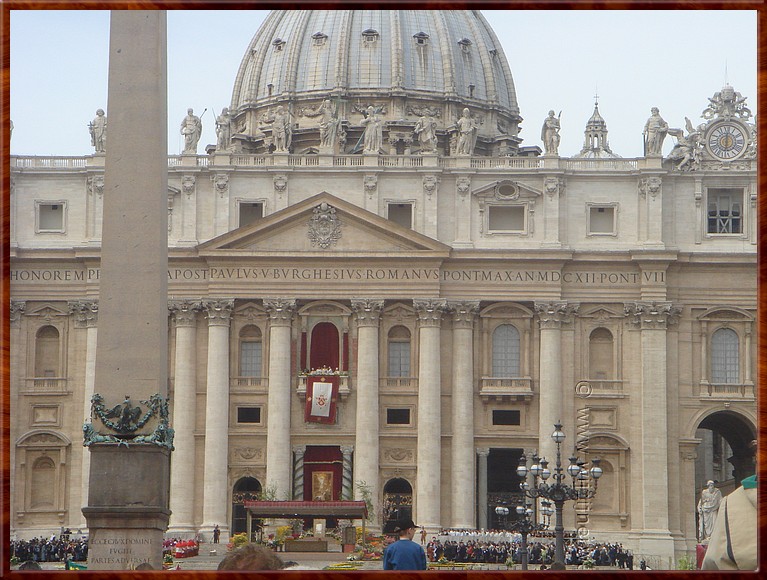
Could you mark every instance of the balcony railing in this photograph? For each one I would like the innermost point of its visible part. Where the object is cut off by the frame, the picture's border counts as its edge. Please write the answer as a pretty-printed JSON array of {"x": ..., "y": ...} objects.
[
  {"x": 46, "y": 385},
  {"x": 247, "y": 382},
  {"x": 47, "y": 162},
  {"x": 401, "y": 383},
  {"x": 727, "y": 391},
  {"x": 600, "y": 387},
  {"x": 517, "y": 387},
  {"x": 343, "y": 385}
]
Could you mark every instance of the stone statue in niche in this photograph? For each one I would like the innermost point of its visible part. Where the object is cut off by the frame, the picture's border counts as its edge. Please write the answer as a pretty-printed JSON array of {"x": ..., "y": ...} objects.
[
  {"x": 467, "y": 134},
  {"x": 372, "y": 138},
  {"x": 550, "y": 134},
  {"x": 281, "y": 132},
  {"x": 328, "y": 124},
  {"x": 425, "y": 130}
]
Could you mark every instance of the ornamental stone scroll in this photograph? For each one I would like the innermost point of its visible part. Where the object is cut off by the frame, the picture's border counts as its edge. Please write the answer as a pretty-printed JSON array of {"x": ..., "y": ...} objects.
[
  {"x": 86, "y": 313},
  {"x": 280, "y": 310},
  {"x": 652, "y": 315},
  {"x": 218, "y": 311},
  {"x": 368, "y": 311},
  {"x": 553, "y": 314},
  {"x": 430, "y": 311},
  {"x": 464, "y": 312}
]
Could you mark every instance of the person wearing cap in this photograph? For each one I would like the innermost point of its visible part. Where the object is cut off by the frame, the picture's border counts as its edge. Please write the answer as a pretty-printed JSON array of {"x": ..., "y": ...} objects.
[{"x": 404, "y": 554}]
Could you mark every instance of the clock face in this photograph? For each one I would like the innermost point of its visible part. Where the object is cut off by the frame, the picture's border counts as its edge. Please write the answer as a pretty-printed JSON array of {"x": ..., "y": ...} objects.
[{"x": 727, "y": 141}]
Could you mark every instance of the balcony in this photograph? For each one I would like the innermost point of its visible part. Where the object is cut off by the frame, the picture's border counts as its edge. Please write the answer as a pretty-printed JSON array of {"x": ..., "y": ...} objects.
[
  {"x": 248, "y": 384},
  {"x": 727, "y": 391},
  {"x": 343, "y": 386},
  {"x": 389, "y": 385},
  {"x": 500, "y": 388},
  {"x": 46, "y": 386},
  {"x": 600, "y": 388}
]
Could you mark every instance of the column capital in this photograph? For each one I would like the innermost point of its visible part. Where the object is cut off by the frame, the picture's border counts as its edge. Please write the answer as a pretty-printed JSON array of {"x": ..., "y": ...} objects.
[
  {"x": 86, "y": 313},
  {"x": 368, "y": 311},
  {"x": 553, "y": 314},
  {"x": 652, "y": 315},
  {"x": 464, "y": 312},
  {"x": 299, "y": 449},
  {"x": 483, "y": 451},
  {"x": 280, "y": 310},
  {"x": 430, "y": 311},
  {"x": 185, "y": 311},
  {"x": 347, "y": 449},
  {"x": 17, "y": 309},
  {"x": 218, "y": 311}
]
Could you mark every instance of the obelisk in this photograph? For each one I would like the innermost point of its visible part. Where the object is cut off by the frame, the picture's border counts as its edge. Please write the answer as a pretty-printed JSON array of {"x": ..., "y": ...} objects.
[{"x": 129, "y": 437}]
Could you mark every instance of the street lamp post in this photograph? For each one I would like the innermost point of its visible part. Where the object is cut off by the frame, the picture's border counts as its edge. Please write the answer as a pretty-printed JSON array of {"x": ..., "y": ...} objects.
[
  {"x": 502, "y": 512},
  {"x": 558, "y": 491},
  {"x": 525, "y": 525}
]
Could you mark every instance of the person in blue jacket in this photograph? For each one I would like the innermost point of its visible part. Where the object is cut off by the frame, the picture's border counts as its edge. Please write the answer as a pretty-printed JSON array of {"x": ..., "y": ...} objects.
[{"x": 405, "y": 554}]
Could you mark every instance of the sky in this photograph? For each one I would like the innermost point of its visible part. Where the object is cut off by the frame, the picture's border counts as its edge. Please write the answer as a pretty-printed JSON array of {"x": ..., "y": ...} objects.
[{"x": 633, "y": 60}]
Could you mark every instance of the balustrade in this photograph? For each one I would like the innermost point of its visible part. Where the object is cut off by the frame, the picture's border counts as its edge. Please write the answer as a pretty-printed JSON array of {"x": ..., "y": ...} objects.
[
  {"x": 398, "y": 382},
  {"x": 727, "y": 391},
  {"x": 506, "y": 387}
]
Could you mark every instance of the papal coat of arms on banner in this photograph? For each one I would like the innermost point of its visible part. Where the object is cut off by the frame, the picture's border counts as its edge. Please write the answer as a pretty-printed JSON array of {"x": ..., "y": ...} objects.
[{"x": 321, "y": 394}]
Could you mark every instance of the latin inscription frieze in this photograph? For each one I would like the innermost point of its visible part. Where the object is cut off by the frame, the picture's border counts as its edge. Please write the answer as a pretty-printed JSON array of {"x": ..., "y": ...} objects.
[{"x": 446, "y": 277}]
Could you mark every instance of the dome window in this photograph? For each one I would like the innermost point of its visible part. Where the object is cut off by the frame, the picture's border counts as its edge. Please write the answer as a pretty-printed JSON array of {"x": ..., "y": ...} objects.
[
  {"x": 319, "y": 38},
  {"x": 421, "y": 38},
  {"x": 278, "y": 44},
  {"x": 465, "y": 44},
  {"x": 369, "y": 36}
]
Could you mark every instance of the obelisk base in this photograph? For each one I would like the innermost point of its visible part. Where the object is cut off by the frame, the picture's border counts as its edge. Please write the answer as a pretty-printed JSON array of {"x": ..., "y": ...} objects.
[{"x": 128, "y": 510}]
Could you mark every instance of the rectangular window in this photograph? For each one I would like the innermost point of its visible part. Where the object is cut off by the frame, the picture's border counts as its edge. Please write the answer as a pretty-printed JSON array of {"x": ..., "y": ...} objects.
[
  {"x": 399, "y": 359},
  {"x": 250, "y": 212},
  {"x": 250, "y": 359},
  {"x": 398, "y": 416},
  {"x": 725, "y": 211},
  {"x": 602, "y": 220},
  {"x": 505, "y": 417},
  {"x": 50, "y": 217},
  {"x": 248, "y": 414},
  {"x": 401, "y": 214},
  {"x": 503, "y": 218}
]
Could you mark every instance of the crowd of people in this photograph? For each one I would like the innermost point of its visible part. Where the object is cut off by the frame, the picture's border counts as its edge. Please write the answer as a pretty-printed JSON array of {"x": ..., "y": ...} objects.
[
  {"x": 498, "y": 547},
  {"x": 53, "y": 549}
]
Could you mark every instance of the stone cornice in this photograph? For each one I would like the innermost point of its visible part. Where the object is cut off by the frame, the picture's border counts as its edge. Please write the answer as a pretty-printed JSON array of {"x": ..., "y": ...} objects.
[
  {"x": 464, "y": 312},
  {"x": 367, "y": 311},
  {"x": 652, "y": 315},
  {"x": 218, "y": 311},
  {"x": 430, "y": 311},
  {"x": 280, "y": 310},
  {"x": 185, "y": 311},
  {"x": 553, "y": 314}
]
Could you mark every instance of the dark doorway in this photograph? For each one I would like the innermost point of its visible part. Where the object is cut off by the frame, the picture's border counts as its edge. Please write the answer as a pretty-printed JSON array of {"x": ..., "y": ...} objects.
[
  {"x": 502, "y": 486},
  {"x": 397, "y": 504},
  {"x": 324, "y": 350},
  {"x": 725, "y": 453},
  {"x": 246, "y": 488}
]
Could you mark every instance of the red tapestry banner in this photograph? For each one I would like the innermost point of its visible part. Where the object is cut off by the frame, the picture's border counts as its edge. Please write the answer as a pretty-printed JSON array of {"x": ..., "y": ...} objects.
[{"x": 321, "y": 397}]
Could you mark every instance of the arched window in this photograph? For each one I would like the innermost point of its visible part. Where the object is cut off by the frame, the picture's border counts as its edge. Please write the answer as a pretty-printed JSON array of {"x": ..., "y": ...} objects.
[
  {"x": 506, "y": 351},
  {"x": 250, "y": 351},
  {"x": 399, "y": 352},
  {"x": 398, "y": 502},
  {"x": 601, "y": 355},
  {"x": 725, "y": 361},
  {"x": 43, "y": 483},
  {"x": 47, "y": 352}
]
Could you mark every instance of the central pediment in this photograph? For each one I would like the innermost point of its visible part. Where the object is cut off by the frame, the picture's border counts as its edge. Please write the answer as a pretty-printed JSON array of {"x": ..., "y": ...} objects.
[{"x": 324, "y": 224}]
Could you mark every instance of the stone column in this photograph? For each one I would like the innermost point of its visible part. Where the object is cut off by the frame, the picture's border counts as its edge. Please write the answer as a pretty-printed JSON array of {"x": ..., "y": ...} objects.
[
  {"x": 482, "y": 453},
  {"x": 462, "y": 461},
  {"x": 216, "y": 480},
  {"x": 298, "y": 472},
  {"x": 183, "y": 468},
  {"x": 128, "y": 487},
  {"x": 368, "y": 313},
  {"x": 278, "y": 402},
  {"x": 17, "y": 308},
  {"x": 652, "y": 319},
  {"x": 428, "y": 480},
  {"x": 86, "y": 314},
  {"x": 347, "y": 487},
  {"x": 551, "y": 315}
]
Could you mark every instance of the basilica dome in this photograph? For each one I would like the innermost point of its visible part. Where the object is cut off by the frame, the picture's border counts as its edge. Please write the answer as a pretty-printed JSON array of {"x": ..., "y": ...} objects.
[{"x": 404, "y": 63}]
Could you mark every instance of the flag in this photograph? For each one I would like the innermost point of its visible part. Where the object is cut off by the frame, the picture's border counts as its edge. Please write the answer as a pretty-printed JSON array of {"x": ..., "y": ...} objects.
[{"x": 321, "y": 395}]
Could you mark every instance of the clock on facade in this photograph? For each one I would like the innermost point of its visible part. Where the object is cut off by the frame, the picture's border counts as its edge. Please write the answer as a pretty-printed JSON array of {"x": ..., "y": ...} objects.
[{"x": 726, "y": 140}]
